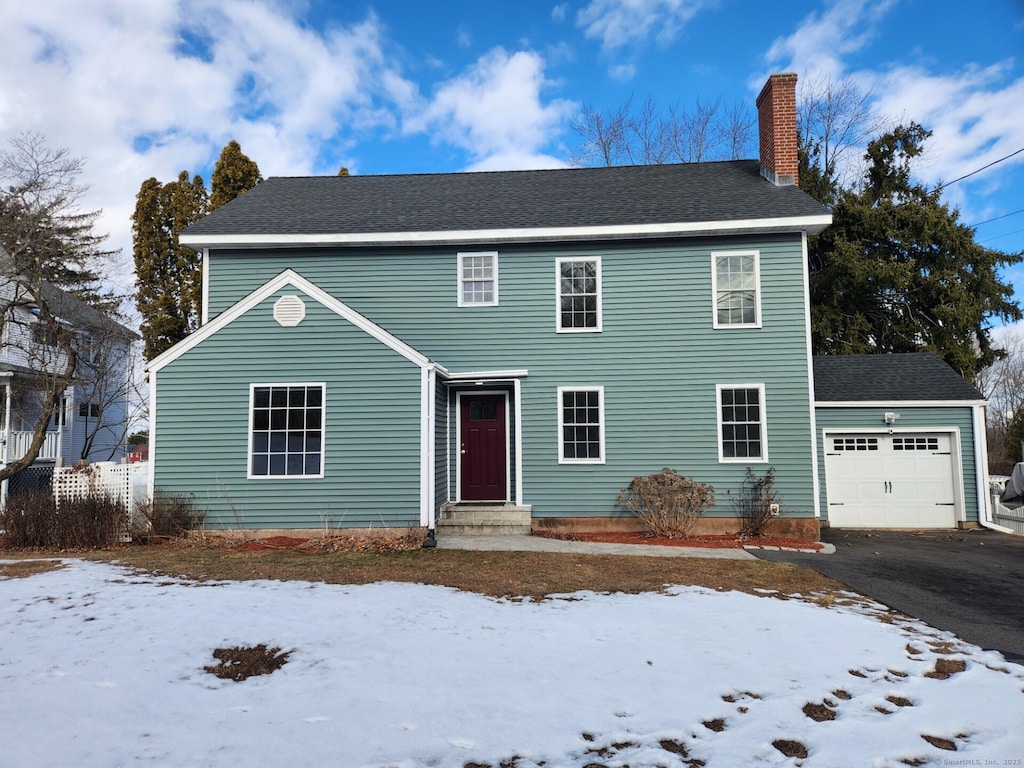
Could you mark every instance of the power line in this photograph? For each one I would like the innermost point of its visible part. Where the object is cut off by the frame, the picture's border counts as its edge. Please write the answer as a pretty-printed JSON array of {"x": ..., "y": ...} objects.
[
  {"x": 1005, "y": 234},
  {"x": 979, "y": 170},
  {"x": 997, "y": 218}
]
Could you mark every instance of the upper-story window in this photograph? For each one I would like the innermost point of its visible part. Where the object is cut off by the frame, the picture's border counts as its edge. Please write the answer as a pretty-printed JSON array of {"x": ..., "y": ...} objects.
[
  {"x": 478, "y": 279},
  {"x": 578, "y": 284},
  {"x": 736, "y": 289}
]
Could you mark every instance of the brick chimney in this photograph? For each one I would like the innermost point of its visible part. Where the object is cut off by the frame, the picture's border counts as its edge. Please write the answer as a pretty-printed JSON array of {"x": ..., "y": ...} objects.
[{"x": 776, "y": 123}]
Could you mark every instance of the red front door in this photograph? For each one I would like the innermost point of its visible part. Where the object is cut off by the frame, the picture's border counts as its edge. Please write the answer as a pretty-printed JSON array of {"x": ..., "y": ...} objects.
[{"x": 482, "y": 448}]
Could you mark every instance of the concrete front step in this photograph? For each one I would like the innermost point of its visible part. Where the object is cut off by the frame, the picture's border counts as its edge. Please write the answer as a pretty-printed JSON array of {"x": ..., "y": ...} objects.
[{"x": 490, "y": 519}]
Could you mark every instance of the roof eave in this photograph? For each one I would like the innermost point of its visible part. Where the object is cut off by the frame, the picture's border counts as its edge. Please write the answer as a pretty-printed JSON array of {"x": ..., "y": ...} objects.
[{"x": 812, "y": 225}]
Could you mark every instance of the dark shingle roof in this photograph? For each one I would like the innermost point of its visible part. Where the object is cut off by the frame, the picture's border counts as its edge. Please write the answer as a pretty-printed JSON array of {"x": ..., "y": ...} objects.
[
  {"x": 578, "y": 197},
  {"x": 894, "y": 377}
]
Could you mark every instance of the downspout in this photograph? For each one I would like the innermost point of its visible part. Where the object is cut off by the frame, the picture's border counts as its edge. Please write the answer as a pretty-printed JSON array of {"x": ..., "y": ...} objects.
[{"x": 985, "y": 501}]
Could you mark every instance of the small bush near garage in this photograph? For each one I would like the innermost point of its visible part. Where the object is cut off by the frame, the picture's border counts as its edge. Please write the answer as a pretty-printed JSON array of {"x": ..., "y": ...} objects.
[
  {"x": 754, "y": 502},
  {"x": 166, "y": 516},
  {"x": 669, "y": 504},
  {"x": 35, "y": 520}
]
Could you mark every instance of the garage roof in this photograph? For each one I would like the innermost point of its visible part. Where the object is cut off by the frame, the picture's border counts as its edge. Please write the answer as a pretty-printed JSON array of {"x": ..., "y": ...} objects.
[{"x": 918, "y": 376}]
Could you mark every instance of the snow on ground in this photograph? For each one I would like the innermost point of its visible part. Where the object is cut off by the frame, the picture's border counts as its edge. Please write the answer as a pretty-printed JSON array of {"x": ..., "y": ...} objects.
[{"x": 101, "y": 666}]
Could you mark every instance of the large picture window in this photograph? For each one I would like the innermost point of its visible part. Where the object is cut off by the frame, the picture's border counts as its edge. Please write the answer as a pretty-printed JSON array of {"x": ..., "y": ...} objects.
[
  {"x": 735, "y": 281},
  {"x": 286, "y": 430},
  {"x": 579, "y": 294},
  {"x": 581, "y": 425},
  {"x": 741, "y": 423},
  {"x": 478, "y": 279}
]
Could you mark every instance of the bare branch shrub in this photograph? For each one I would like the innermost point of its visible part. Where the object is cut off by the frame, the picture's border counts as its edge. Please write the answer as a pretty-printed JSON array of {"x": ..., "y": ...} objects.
[
  {"x": 88, "y": 522},
  {"x": 167, "y": 516},
  {"x": 754, "y": 502},
  {"x": 668, "y": 503}
]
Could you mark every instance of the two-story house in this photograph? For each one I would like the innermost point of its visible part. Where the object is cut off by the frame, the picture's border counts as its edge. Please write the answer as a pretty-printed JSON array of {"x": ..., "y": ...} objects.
[
  {"x": 411, "y": 350},
  {"x": 90, "y": 419}
]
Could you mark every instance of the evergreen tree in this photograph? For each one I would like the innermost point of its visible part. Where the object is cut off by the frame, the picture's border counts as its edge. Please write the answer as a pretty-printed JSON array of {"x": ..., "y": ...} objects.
[
  {"x": 897, "y": 271},
  {"x": 168, "y": 275},
  {"x": 234, "y": 175}
]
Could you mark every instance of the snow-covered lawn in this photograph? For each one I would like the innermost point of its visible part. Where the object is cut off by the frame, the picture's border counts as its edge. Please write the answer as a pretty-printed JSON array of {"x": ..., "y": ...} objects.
[{"x": 100, "y": 667}]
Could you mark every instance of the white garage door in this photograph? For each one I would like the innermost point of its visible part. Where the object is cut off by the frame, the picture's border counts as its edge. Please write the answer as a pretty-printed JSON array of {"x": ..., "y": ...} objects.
[{"x": 890, "y": 481}]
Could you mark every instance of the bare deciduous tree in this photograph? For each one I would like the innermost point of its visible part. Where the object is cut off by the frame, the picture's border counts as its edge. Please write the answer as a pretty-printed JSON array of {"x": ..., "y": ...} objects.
[{"x": 52, "y": 310}]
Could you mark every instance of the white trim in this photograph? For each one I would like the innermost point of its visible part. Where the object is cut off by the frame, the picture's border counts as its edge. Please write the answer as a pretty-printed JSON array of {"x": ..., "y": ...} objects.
[
  {"x": 955, "y": 456},
  {"x": 462, "y": 279},
  {"x": 204, "y": 311},
  {"x": 810, "y": 224},
  {"x": 428, "y": 401},
  {"x": 815, "y": 468},
  {"x": 559, "y": 261},
  {"x": 268, "y": 289},
  {"x": 517, "y": 399},
  {"x": 715, "y": 256},
  {"x": 323, "y": 430},
  {"x": 601, "y": 425},
  {"x": 512, "y": 373},
  {"x": 899, "y": 403},
  {"x": 457, "y": 445},
  {"x": 763, "y": 411}
]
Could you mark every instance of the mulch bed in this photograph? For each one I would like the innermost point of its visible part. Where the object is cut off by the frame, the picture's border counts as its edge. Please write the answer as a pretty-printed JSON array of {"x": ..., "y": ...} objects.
[{"x": 717, "y": 541}]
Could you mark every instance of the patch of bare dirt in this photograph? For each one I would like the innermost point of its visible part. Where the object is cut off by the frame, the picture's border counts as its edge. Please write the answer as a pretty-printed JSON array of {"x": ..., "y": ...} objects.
[
  {"x": 24, "y": 568},
  {"x": 242, "y": 662}
]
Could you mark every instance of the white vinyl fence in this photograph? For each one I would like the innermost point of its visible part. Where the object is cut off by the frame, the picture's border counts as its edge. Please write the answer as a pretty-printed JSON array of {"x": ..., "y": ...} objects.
[
  {"x": 1008, "y": 517},
  {"x": 124, "y": 482}
]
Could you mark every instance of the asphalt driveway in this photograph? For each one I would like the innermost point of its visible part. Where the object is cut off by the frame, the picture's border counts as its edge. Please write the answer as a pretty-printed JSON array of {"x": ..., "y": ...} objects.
[{"x": 968, "y": 582}]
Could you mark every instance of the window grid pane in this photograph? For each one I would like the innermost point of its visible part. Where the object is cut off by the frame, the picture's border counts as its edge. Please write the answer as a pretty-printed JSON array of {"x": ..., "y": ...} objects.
[
  {"x": 578, "y": 294},
  {"x": 736, "y": 284},
  {"x": 581, "y": 425},
  {"x": 741, "y": 423},
  {"x": 477, "y": 278},
  {"x": 287, "y": 431}
]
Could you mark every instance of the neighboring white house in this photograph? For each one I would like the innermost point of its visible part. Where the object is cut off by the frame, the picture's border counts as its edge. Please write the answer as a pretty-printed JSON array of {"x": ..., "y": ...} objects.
[{"x": 91, "y": 419}]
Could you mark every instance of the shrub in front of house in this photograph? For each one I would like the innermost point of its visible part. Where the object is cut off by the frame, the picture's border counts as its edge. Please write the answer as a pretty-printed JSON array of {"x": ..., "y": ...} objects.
[
  {"x": 668, "y": 503},
  {"x": 755, "y": 502},
  {"x": 35, "y": 520},
  {"x": 166, "y": 516}
]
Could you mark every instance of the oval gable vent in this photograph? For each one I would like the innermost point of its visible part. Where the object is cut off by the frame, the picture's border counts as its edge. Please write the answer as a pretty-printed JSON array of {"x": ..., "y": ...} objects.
[{"x": 289, "y": 311}]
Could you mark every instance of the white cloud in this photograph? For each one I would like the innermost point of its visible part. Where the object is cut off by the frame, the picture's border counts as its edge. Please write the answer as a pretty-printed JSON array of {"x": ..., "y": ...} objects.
[
  {"x": 145, "y": 89},
  {"x": 976, "y": 113},
  {"x": 620, "y": 22},
  {"x": 495, "y": 113},
  {"x": 622, "y": 72},
  {"x": 817, "y": 47}
]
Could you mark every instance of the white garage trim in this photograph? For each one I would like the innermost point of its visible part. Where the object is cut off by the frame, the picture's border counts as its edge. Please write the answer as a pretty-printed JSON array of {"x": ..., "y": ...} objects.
[{"x": 867, "y": 510}]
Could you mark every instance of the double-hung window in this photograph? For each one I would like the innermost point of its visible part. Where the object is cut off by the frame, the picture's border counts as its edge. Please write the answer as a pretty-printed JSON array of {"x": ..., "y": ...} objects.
[
  {"x": 741, "y": 423},
  {"x": 478, "y": 279},
  {"x": 286, "y": 430},
  {"x": 581, "y": 425},
  {"x": 578, "y": 287},
  {"x": 736, "y": 289}
]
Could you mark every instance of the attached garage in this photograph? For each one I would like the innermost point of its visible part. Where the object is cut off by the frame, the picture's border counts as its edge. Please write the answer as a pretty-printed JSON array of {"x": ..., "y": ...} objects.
[
  {"x": 902, "y": 480},
  {"x": 901, "y": 443}
]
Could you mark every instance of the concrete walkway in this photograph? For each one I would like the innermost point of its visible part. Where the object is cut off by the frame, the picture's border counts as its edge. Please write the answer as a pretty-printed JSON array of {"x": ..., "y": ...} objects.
[{"x": 518, "y": 543}]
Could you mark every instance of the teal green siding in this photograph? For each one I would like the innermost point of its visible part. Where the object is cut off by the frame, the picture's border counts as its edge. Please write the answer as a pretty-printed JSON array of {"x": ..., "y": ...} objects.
[
  {"x": 372, "y": 406},
  {"x": 658, "y": 356},
  {"x": 938, "y": 418}
]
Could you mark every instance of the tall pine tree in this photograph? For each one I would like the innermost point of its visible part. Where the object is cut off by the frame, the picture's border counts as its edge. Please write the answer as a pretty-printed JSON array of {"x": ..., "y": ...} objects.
[
  {"x": 234, "y": 174},
  {"x": 898, "y": 272},
  {"x": 168, "y": 275}
]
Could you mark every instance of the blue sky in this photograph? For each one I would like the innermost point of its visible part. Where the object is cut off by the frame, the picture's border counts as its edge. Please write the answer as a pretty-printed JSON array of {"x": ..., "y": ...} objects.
[{"x": 144, "y": 88}]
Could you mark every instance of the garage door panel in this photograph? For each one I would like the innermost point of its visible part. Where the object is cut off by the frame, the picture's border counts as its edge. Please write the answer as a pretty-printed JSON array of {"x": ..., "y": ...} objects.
[{"x": 890, "y": 481}]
